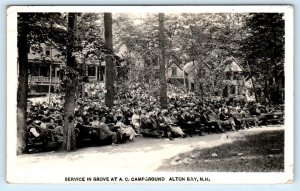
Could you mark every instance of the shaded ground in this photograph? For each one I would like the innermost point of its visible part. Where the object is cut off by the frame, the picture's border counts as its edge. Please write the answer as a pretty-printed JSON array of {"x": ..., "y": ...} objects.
[
  {"x": 263, "y": 152},
  {"x": 143, "y": 155}
]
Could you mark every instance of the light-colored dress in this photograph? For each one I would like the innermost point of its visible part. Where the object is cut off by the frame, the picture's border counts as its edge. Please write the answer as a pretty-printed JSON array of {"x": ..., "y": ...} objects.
[{"x": 124, "y": 129}]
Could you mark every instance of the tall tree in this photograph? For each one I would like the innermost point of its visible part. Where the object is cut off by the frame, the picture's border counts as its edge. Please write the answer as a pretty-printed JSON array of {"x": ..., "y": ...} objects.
[
  {"x": 22, "y": 82},
  {"x": 110, "y": 69},
  {"x": 264, "y": 47},
  {"x": 162, "y": 64},
  {"x": 33, "y": 29},
  {"x": 69, "y": 143}
]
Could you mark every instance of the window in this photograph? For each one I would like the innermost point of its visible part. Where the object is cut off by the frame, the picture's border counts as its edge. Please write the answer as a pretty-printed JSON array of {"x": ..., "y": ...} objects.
[
  {"x": 235, "y": 76},
  {"x": 44, "y": 71},
  {"x": 232, "y": 89},
  {"x": 91, "y": 71},
  {"x": 47, "y": 52},
  {"x": 228, "y": 76},
  {"x": 174, "y": 71},
  {"x": 34, "y": 70},
  {"x": 192, "y": 87}
]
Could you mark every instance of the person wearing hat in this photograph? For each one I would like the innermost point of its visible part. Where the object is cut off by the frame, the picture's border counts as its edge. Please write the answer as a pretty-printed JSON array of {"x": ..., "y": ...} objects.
[{"x": 39, "y": 133}]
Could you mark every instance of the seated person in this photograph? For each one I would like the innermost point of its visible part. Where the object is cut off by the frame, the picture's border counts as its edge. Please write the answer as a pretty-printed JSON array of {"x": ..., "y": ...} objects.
[
  {"x": 127, "y": 116},
  {"x": 95, "y": 123},
  {"x": 198, "y": 123},
  {"x": 190, "y": 122},
  {"x": 227, "y": 119},
  {"x": 182, "y": 122},
  {"x": 125, "y": 130},
  {"x": 118, "y": 113},
  {"x": 163, "y": 126},
  {"x": 172, "y": 121},
  {"x": 152, "y": 122},
  {"x": 37, "y": 133},
  {"x": 213, "y": 121},
  {"x": 104, "y": 128},
  {"x": 237, "y": 117},
  {"x": 57, "y": 129},
  {"x": 110, "y": 118},
  {"x": 248, "y": 118},
  {"x": 136, "y": 120}
]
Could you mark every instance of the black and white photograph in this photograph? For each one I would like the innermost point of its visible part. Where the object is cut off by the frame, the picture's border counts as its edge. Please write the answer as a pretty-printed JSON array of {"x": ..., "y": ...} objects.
[{"x": 150, "y": 94}]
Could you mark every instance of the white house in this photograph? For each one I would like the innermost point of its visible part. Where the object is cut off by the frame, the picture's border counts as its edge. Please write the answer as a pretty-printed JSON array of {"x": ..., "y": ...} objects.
[
  {"x": 43, "y": 63},
  {"x": 235, "y": 82},
  {"x": 174, "y": 73}
]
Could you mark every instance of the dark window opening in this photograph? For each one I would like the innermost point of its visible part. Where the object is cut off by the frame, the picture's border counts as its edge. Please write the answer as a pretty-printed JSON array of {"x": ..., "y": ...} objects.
[
  {"x": 228, "y": 76},
  {"x": 232, "y": 89},
  {"x": 47, "y": 52},
  {"x": 174, "y": 72},
  {"x": 44, "y": 71},
  {"x": 92, "y": 71}
]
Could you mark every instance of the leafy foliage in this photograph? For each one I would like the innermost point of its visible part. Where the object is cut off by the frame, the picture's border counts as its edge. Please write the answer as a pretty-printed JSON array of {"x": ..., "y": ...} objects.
[{"x": 264, "y": 50}]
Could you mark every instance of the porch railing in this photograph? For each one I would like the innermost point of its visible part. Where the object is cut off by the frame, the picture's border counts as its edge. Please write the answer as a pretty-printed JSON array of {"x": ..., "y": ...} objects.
[{"x": 44, "y": 79}]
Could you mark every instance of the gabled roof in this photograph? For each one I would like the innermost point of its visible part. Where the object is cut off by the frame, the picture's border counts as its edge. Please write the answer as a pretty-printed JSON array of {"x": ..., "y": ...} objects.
[
  {"x": 56, "y": 57},
  {"x": 171, "y": 63},
  {"x": 120, "y": 50},
  {"x": 231, "y": 64},
  {"x": 190, "y": 66},
  {"x": 176, "y": 61}
]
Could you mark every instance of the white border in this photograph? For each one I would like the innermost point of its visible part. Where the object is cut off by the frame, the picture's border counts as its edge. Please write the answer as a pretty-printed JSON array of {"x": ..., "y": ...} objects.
[{"x": 219, "y": 178}]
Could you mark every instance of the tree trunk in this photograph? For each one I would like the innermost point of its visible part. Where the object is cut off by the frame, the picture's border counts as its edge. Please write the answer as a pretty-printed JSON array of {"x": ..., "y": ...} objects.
[
  {"x": 69, "y": 143},
  {"x": 253, "y": 84},
  {"x": 22, "y": 91},
  {"x": 163, "y": 83},
  {"x": 276, "y": 97},
  {"x": 110, "y": 72}
]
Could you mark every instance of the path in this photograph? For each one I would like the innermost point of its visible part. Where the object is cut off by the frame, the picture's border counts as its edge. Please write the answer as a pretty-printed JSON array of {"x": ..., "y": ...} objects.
[{"x": 143, "y": 155}]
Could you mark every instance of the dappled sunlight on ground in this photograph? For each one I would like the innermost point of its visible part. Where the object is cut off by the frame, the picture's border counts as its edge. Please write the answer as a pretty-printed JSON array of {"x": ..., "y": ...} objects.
[{"x": 143, "y": 155}]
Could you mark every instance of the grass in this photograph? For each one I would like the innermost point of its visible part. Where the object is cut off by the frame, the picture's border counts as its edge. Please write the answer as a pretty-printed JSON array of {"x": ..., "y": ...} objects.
[{"x": 262, "y": 152}]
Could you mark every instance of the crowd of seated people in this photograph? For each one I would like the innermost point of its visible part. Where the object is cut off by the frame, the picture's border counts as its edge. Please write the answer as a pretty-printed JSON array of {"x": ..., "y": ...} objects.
[{"x": 185, "y": 116}]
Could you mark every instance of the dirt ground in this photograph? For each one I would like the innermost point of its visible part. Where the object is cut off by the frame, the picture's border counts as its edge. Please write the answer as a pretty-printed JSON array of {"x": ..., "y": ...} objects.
[
  {"x": 261, "y": 152},
  {"x": 143, "y": 155}
]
